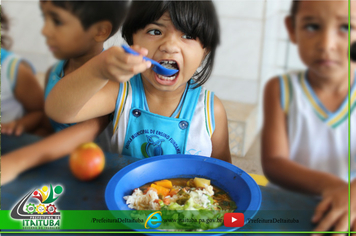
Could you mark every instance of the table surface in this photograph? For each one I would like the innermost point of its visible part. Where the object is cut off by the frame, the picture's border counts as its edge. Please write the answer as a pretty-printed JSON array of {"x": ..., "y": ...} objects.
[{"x": 279, "y": 205}]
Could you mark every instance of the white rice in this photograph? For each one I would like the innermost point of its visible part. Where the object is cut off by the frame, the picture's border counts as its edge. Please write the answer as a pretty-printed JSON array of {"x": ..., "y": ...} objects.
[
  {"x": 140, "y": 201},
  {"x": 208, "y": 190}
]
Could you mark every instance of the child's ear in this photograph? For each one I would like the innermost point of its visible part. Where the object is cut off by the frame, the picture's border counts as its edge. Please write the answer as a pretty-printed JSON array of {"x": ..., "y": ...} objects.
[
  {"x": 102, "y": 31},
  {"x": 290, "y": 25}
]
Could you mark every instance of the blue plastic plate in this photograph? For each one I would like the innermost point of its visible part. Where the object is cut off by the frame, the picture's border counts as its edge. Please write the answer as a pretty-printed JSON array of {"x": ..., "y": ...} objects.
[{"x": 237, "y": 183}]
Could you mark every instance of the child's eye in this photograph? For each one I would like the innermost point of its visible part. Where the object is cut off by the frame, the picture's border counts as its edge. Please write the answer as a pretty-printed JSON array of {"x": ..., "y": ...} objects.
[
  {"x": 154, "y": 32},
  {"x": 345, "y": 28},
  {"x": 312, "y": 27},
  {"x": 57, "y": 22},
  {"x": 187, "y": 36}
]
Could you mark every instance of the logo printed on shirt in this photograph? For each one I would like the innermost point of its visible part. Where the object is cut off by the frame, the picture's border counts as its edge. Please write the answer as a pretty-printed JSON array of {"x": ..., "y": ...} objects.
[
  {"x": 154, "y": 143},
  {"x": 152, "y": 147}
]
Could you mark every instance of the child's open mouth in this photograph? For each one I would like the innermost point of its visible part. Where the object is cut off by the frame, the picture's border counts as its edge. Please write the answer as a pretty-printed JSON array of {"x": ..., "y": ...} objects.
[{"x": 170, "y": 64}]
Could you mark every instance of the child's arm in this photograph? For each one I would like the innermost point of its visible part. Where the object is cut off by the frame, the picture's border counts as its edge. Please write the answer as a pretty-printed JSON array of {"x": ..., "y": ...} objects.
[
  {"x": 220, "y": 137},
  {"x": 46, "y": 127},
  {"x": 91, "y": 90},
  {"x": 51, "y": 148},
  {"x": 30, "y": 94},
  {"x": 276, "y": 164}
]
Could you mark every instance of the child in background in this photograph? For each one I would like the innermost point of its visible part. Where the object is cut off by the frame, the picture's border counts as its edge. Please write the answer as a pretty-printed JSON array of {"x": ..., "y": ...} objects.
[
  {"x": 154, "y": 114},
  {"x": 22, "y": 103},
  {"x": 75, "y": 32},
  {"x": 85, "y": 25},
  {"x": 305, "y": 131}
]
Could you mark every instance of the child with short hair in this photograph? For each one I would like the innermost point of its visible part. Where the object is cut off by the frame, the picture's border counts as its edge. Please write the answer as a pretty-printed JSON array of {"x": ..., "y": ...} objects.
[
  {"x": 154, "y": 114},
  {"x": 75, "y": 32},
  {"x": 22, "y": 103},
  {"x": 305, "y": 131},
  {"x": 85, "y": 25}
]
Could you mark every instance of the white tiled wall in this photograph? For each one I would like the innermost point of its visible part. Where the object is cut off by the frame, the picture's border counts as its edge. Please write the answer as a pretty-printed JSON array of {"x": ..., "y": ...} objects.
[{"x": 238, "y": 54}]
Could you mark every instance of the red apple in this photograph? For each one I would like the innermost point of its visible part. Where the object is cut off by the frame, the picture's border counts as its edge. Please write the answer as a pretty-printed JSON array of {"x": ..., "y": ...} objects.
[{"x": 87, "y": 161}]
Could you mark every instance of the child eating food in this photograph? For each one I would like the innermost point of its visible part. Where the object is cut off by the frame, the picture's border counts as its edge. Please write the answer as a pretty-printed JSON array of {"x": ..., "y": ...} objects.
[{"x": 154, "y": 114}]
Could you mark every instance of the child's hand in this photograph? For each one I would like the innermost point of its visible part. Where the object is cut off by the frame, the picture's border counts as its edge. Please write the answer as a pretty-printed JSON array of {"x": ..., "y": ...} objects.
[
  {"x": 332, "y": 211},
  {"x": 117, "y": 65},
  {"x": 13, "y": 127}
]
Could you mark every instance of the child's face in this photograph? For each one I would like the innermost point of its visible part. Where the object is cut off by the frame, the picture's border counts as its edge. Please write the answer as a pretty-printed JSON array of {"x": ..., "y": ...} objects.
[
  {"x": 321, "y": 34},
  {"x": 165, "y": 42},
  {"x": 64, "y": 33}
]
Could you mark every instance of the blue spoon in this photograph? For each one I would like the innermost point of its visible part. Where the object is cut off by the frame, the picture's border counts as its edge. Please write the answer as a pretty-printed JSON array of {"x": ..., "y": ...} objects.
[{"x": 158, "y": 68}]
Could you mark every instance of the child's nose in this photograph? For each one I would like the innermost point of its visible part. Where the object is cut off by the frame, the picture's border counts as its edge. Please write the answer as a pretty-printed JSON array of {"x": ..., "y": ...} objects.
[
  {"x": 45, "y": 30},
  {"x": 327, "y": 41},
  {"x": 170, "y": 45}
]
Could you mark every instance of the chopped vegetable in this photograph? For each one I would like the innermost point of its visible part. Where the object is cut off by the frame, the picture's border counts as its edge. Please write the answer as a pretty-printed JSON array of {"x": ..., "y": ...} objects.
[
  {"x": 180, "y": 192},
  {"x": 183, "y": 199},
  {"x": 201, "y": 183},
  {"x": 159, "y": 202},
  {"x": 164, "y": 183},
  {"x": 160, "y": 190},
  {"x": 190, "y": 183},
  {"x": 166, "y": 201},
  {"x": 173, "y": 192}
]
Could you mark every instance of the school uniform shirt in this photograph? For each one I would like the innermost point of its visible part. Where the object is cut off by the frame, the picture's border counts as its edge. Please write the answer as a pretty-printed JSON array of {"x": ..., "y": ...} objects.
[
  {"x": 140, "y": 133},
  {"x": 11, "y": 108},
  {"x": 318, "y": 138}
]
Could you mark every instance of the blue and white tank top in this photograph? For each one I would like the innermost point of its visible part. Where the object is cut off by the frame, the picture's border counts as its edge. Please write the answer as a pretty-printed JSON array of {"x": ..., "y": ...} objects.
[
  {"x": 194, "y": 116},
  {"x": 318, "y": 138},
  {"x": 11, "y": 108}
]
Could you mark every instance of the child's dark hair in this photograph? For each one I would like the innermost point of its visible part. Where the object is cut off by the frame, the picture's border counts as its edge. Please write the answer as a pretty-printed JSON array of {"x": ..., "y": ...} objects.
[
  {"x": 91, "y": 12},
  {"x": 195, "y": 18},
  {"x": 5, "y": 40},
  {"x": 294, "y": 10}
]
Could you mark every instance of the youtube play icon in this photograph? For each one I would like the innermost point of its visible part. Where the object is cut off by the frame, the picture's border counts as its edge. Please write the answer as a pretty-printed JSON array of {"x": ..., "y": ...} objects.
[{"x": 234, "y": 219}]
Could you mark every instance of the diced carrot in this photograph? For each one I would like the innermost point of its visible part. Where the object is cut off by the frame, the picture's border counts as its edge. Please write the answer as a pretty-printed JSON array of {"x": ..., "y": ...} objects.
[
  {"x": 164, "y": 183},
  {"x": 166, "y": 201},
  {"x": 173, "y": 192},
  {"x": 160, "y": 190}
]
